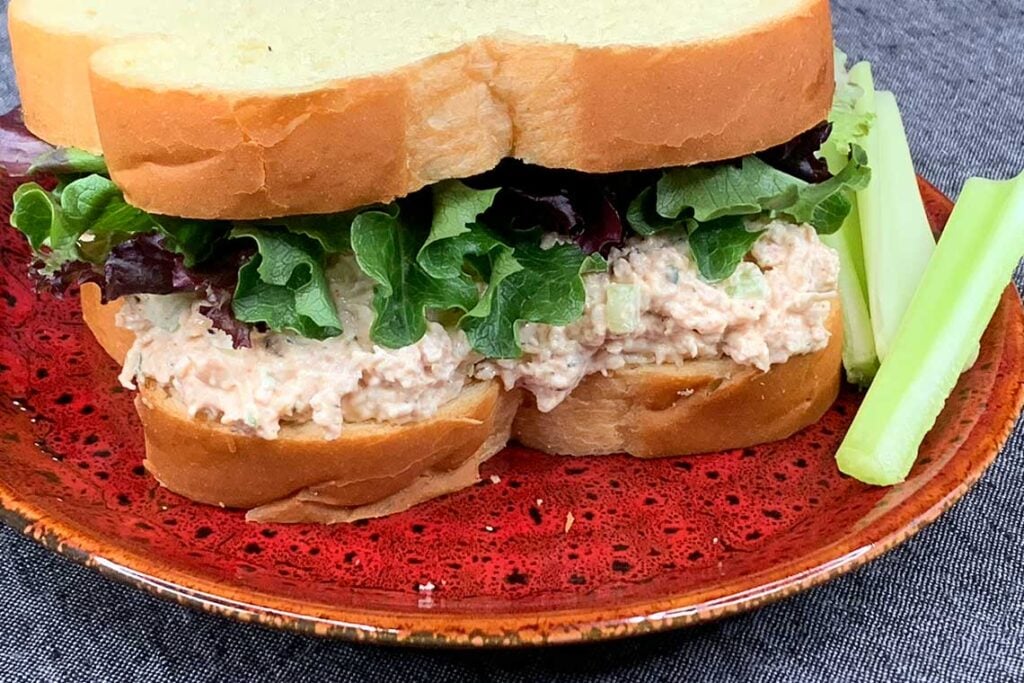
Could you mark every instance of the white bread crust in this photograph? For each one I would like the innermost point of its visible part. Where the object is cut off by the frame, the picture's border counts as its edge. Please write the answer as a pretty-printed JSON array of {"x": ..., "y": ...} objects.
[{"x": 207, "y": 153}]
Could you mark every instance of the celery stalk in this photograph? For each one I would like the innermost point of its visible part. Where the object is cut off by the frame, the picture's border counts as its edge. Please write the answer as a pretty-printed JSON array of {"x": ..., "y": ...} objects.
[
  {"x": 940, "y": 332},
  {"x": 859, "y": 356},
  {"x": 897, "y": 238}
]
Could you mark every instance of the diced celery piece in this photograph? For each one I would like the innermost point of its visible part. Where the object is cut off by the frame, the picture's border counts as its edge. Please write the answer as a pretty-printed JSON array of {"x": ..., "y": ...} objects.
[
  {"x": 746, "y": 282},
  {"x": 623, "y": 310}
]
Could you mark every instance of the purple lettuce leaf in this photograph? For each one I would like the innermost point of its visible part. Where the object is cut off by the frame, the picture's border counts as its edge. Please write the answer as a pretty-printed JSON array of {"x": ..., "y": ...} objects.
[
  {"x": 588, "y": 208},
  {"x": 23, "y": 155},
  {"x": 799, "y": 156},
  {"x": 604, "y": 229},
  {"x": 145, "y": 265},
  {"x": 69, "y": 275},
  {"x": 19, "y": 148}
]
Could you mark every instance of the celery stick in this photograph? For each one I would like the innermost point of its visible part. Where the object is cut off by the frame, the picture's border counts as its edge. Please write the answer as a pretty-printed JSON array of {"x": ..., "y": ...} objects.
[
  {"x": 940, "y": 332},
  {"x": 894, "y": 226},
  {"x": 859, "y": 357}
]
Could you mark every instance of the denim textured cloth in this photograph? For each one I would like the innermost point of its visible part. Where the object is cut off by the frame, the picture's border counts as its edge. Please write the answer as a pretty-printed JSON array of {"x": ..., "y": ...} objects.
[{"x": 948, "y": 605}]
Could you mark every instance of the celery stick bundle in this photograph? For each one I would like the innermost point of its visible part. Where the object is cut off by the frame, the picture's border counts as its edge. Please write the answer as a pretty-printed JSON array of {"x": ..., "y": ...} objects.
[
  {"x": 912, "y": 313},
  {"x": 939, "y": 333}
]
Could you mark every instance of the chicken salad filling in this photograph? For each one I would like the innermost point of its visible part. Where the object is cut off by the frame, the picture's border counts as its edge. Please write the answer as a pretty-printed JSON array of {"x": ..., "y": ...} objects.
[{"x": 651, "y": 305}]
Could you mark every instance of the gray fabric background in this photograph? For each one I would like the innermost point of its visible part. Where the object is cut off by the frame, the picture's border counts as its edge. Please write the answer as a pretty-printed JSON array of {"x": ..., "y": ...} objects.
[{"x": 949, "y": 605}]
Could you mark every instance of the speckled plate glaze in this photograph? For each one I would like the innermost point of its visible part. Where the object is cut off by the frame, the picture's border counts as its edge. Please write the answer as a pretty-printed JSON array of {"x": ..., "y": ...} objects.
[{"x": 544, "y": 550}]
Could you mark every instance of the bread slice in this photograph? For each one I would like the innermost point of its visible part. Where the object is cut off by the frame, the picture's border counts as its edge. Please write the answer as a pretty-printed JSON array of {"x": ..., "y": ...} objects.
[
  {"x": 378, "y": 469},
  {"x": 653, "y": 411},
  {"x": 254, "y": 108},
  {"x": 371, "y": 470}
]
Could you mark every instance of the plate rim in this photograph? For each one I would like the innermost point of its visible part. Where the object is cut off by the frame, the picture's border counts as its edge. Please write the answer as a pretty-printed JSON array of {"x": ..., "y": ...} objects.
[{"x": 572, "y": 625}]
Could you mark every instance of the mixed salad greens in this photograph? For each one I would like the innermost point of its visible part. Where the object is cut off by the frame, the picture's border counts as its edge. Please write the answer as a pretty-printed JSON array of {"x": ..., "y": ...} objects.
[{"x": 469, "y": 252}]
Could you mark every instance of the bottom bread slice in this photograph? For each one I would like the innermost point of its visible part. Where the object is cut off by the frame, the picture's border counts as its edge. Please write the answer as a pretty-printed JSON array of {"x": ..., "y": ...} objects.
[
  {"x": 702, "y": 406},
  {"x": 376, "y": 469},
  {"x": 371, "y": 470}
]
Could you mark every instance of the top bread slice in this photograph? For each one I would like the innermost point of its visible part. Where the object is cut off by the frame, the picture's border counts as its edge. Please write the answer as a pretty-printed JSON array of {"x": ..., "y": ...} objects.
[{"x": 259, "y": 108}]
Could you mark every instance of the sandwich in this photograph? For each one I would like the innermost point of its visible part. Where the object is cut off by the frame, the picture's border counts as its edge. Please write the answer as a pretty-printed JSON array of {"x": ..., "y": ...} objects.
[{"x": 345, "y": 254}]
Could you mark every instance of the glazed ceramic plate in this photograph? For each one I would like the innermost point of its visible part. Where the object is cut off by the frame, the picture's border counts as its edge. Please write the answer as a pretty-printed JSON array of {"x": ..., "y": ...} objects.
[{"x": 546, "y": 549}]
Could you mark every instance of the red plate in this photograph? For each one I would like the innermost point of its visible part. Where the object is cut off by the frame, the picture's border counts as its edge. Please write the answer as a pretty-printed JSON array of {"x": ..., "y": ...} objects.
[{"x": 652, "y": 545}]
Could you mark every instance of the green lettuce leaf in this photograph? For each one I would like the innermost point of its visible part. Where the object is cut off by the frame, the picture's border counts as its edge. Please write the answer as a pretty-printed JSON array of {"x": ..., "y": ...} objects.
[
  {"x": 194, "y": 239},
  {"x": 642, "y": 215},
  {"x": 38, "y": 215},
  {"x": 456, "y": 239},
  {"x": 827, "y": 205},
  {"x": 535, "y": 285},
  {"x": 719, "y": 246},
  {"x": 87, "y": 217},
  {"x": 467, "y": 256},
  {"x": 332, "y": 231},
  {"x": 456, "y": 206},
  {"x": 386, "y": 251},
  {"x": 68, "y": 161},
  {"x": 710, "y": 192},
  {"x": 851, "y": 116},
  {"x": 284, "y": 286},
  {"x": 83, "y": 222},
  {"x": 95, "y": 206}
]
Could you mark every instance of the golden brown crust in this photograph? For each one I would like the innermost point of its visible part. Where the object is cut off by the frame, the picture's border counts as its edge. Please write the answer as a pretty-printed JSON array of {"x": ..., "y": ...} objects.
[
  {"x": 369, "y": 471},
  {"x": 52, "y": 70},
  {"x": 333, "y": 502},
  {"x": 702, "y": 407},
  {"x": 375, "y": 470},
  {"x": 628, "y": 108},
  {"x": 213, "y": 155},
  {"x": 102, "y": 321}
]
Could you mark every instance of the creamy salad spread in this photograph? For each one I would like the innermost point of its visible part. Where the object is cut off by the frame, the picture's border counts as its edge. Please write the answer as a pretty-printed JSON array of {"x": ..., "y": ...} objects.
[
  {"x": 287, "y": 378},
  {"x": 650, "y": 307},
  {"x": 653, "y": 307}
]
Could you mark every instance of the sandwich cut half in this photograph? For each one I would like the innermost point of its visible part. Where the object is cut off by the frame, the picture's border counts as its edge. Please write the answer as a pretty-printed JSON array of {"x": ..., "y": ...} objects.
[{"x": 346, "y": 253}]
